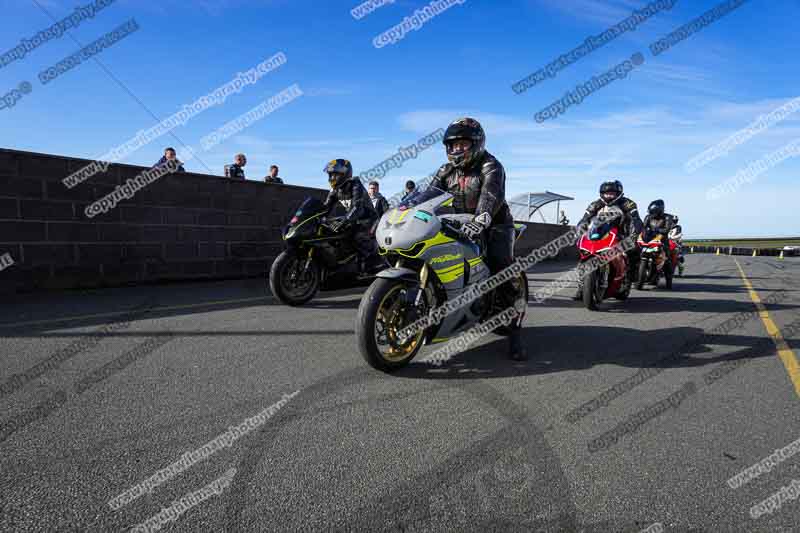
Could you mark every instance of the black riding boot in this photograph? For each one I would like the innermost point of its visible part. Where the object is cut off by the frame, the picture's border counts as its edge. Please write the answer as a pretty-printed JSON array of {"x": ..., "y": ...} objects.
[
  {"x": 363, "y": 266},
  {"x": 578, "y": 293},
  {"x": 633, "y": 265},
  {"x": 516, "y": 350}
]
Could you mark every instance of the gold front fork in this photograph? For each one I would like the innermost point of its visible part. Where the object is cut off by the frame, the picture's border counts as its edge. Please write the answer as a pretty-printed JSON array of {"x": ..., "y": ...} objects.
[
  {"x": 308, "y": 261},
  {"x": 423, "y": 281}
]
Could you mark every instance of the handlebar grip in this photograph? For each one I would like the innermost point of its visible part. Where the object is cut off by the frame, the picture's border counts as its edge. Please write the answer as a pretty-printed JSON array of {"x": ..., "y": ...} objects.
[{"x": 453, "y": 231}]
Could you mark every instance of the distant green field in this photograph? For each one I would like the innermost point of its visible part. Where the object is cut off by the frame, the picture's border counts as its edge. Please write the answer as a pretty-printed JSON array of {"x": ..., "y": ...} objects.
[{"x": 746, "y": 243}]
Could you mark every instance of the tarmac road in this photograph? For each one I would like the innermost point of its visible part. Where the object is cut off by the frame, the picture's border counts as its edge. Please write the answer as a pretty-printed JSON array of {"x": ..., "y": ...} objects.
[{"x": 634, "y": 415}]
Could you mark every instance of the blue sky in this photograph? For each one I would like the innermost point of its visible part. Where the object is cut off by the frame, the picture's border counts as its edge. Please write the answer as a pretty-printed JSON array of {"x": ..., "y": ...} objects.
[{"x": 361, "y": 102}]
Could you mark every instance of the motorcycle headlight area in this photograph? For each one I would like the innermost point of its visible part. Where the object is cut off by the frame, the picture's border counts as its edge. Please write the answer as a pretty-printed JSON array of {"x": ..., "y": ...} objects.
[{"x": 412, "y": 252}]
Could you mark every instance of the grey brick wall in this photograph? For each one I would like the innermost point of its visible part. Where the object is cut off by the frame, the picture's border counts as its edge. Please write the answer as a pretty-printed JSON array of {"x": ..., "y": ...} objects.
[
  {"x": 539, "y": 234},
  {"x": 183, "y": 226}
]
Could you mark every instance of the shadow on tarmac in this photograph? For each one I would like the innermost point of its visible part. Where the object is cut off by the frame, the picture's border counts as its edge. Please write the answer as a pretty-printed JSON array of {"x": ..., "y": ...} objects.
[{"x": 556, "y": 349}]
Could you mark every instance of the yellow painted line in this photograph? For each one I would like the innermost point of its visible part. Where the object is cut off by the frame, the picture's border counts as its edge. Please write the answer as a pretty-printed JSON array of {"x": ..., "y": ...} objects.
[
  {"x": 786, "y": 354},
  {"x": 119, "y": 313}
]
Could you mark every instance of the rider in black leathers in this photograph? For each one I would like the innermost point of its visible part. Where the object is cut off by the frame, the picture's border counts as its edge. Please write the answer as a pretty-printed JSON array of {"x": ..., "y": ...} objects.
[
  {"x": 677, "y": 236},
  {"x": 477, "y": 182},
  {"x": 611, "y": 194},
  {"x": 359, "y": 216},
  {"x": 661, "y": 223}
]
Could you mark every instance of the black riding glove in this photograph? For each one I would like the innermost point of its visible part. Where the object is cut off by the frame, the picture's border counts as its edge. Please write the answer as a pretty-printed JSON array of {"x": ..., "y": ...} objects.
[
  {"x": 339, "y": 225},
  {"x": 476, "y": 226}
]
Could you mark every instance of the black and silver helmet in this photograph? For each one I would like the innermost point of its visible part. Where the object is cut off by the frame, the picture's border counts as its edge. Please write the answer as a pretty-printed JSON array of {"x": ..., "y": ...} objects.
[
  {"x": 469, "y": 129},
  {"x": 656, "y": 208},
  {"x": 611, "y": 191}
]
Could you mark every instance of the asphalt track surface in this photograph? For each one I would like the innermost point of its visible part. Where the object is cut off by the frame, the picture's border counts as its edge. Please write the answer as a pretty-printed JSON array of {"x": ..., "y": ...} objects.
[{"x": 480, "y": 444}]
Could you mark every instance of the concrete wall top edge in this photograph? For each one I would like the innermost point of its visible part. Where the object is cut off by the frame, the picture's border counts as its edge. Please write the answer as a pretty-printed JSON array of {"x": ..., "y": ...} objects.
[{"x": 139, "y": 168}]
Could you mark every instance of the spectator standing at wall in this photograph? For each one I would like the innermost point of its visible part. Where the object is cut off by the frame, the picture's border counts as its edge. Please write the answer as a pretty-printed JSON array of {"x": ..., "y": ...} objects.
[
  {"x": 380, "y": 203},
  {"x": 272, "y": 177},
  {"x": 170, "y": 155},
  {"x": 236, "y": 170}
]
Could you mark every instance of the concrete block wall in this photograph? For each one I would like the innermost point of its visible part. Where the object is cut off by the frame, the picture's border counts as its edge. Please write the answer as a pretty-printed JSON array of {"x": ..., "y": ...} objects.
[
  {"x": 538, "y": 235},
  {"x": 183, "y": 226}
]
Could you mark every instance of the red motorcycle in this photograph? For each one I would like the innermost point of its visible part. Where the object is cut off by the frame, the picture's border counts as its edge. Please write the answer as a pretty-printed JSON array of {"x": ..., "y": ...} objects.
[
  {"x": 604, "y": 260},
  {"x": 654, "y": 264}
]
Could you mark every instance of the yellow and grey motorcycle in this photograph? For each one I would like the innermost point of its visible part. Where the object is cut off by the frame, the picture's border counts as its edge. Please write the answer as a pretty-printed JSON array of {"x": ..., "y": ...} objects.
[{"x": 434, "y": 263}]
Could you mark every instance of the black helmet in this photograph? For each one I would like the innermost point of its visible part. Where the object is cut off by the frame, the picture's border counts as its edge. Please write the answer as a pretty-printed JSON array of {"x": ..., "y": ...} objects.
[
  {"x": 339, "y": 171},
  {"x": 656, "y": 208},
  {"x": 609, "y": 187},
  {"x": 464, "y": 128}
]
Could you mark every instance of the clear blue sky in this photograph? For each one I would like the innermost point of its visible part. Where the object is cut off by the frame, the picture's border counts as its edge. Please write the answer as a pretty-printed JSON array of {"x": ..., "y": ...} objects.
[{"x": 362, "y": 103}]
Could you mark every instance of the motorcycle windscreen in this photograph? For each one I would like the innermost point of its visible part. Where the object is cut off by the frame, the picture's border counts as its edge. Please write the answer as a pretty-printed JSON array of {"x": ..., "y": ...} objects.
[
  {"x": 297, "y": 227},
  {"x": 651, "y": 236},
  {"x": 600, "y": 236},
  {"x": 599, "y": 230},
  {"x": 309, "y": 207},
  {"x": 420, "y": 196}
]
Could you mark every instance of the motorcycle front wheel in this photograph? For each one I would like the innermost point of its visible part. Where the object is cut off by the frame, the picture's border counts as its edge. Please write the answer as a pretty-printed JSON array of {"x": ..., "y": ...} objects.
[
  {"x": 381, "y": 316},
  {"x": 643, "y": 274},
  {"x": 290, "y": 281},
  {"x": 591, "y": 296},
  {"x": 668, "y": 275}
]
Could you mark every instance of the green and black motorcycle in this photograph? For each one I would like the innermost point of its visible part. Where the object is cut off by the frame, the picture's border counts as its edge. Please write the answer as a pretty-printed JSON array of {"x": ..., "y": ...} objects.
[{"x": 316, "y": 257}]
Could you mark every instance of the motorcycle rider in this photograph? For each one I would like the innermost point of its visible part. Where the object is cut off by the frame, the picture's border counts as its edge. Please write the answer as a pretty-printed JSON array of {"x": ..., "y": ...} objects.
[
  {"x": 676, "y": 235},
  {"x": 662, "y": 223},
  {"x": 677, "y": 230},
  {"x": 360, "y": 215},
  {"x": 611, "y": 194},
  {"x": 477, "y": 181}
]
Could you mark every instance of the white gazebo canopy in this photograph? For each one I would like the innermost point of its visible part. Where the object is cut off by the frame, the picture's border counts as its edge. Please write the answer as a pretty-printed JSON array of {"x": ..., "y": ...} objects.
[{"x": 524, "y": 206}]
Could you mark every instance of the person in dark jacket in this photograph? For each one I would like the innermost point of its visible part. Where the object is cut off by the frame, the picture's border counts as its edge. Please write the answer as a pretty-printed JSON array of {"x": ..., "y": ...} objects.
[
  {"x": 359, "y": 216},
  {"x": 611, "y": 194},
  {"x": 379, "y": 203},
  {"x": 408, "y": 190},
  {"x": 477, "y": 181},
  {"x": 272, "y": 177},
  {"x": 660, "y": 223},
  {"x": 676, "y": 236},
  {"x": 236, "y": 170},
  {"x": 170, "y": 155}
]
